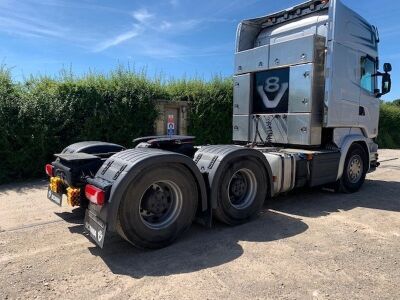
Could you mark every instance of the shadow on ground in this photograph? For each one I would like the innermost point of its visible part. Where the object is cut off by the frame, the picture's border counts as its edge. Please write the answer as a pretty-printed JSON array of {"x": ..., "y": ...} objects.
[
  {"x": 317, "y": 202},
  {"x": 202, "y": 248},
  {"x": 75, "y": 217},
  {"x": 198, "y": 249},
  {"x": 23, "y": 187}
]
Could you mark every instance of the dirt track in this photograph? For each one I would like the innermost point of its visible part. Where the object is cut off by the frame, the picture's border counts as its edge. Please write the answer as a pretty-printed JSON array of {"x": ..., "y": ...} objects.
[{"x": 309, "y": 244}]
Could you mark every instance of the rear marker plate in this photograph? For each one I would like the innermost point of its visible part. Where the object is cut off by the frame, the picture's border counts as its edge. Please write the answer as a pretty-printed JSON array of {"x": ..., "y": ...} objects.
[
  {"x": 95, "y": 228},
  {"x": 54, "y": 197}
]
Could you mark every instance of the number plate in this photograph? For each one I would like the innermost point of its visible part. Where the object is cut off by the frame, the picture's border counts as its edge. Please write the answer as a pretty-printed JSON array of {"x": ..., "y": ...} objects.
[
  {"x": 54, "y": 197},
  {"x": 95, "y": 227}
]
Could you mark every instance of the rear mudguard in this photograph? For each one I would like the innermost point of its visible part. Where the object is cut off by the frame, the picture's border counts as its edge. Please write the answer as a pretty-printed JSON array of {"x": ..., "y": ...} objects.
[
  {"x": 83, "y": 159},
  {"x": 92, "y": 147},
  {"x": 213, "y": 161},
  {"x": 120, "y": 169}
]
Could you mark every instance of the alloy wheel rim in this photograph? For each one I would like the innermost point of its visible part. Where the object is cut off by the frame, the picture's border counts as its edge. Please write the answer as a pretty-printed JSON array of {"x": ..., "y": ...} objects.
[{"x": 355, "y": 169}]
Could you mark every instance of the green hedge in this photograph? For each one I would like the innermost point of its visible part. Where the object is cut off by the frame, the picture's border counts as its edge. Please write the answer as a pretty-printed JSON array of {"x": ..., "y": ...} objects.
[
  {"x": 42, "y": 115},
  {"x": 389, "y": 126},
  {"x": 11, "y": 128},
  {"x": 210, "y": 110}
]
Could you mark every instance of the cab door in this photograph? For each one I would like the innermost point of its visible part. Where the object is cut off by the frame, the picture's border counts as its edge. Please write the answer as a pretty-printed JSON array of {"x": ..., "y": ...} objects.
[{"x": 369, "y": 104}]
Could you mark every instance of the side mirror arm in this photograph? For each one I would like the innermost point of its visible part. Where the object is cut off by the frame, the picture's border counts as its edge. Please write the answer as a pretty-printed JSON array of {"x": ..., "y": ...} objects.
[{"x": 377, "y": 92}]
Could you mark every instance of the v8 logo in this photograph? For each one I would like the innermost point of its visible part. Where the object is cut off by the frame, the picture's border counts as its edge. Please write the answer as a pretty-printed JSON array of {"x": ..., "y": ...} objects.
[
  {"x": 272, "y": 85},
  {"x": 272, "y": 91}
]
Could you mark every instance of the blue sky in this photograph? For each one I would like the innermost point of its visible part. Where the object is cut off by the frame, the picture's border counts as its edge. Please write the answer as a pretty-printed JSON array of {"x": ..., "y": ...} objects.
[{"x": 171, "y": 37}]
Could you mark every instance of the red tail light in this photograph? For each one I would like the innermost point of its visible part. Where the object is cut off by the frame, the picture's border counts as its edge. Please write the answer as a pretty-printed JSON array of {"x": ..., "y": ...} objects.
[
  {"x": 49, "y": 170},
  {"x": 95, "y": 195}
]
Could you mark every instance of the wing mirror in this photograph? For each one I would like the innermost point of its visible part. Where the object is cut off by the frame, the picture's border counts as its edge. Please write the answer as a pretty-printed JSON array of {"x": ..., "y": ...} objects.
[
  {"x": 386, "y": 80},
  {"x": 386, "y": 84}
]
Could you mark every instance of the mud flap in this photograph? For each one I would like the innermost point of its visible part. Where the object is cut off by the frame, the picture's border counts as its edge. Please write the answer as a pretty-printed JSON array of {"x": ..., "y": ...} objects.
[{"x": 95, "y": 227}]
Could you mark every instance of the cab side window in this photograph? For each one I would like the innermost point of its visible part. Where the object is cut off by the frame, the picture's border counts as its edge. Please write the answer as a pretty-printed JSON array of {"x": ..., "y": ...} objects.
[{"x": 368, "y": 79}]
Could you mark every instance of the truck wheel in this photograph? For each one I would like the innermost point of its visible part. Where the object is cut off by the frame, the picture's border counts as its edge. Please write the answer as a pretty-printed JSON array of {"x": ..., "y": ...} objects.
[
  {"x": 242, "y": 192},
  {"x": 158, "y": 206},
  {"x": 355, "y": 170}
]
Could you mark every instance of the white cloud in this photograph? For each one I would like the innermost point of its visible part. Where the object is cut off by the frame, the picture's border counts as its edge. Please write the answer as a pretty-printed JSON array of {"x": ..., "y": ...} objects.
[
  {"x": 29, "y": 27},
  {"x": 154, "y": 44},
  {"x": 147, "y": 23},
  {"x": 26, "y": 20},
  {"x": 121, "y": 38},
  {"x": 142, "y": 15},
  {"x": 157, "y": 32},
  {"x": 165, "y": 25}
]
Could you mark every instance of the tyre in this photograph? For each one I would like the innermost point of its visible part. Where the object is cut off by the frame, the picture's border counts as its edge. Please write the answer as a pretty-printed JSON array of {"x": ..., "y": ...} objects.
[
  {"x": 355, "y": 169},
  {"x": 241, "y": 192},
  {"x": 158, "y": 206}
]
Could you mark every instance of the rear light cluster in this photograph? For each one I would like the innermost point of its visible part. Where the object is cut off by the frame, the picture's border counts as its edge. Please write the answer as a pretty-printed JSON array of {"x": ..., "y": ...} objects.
[
  {"x": 49, "y": 170},
  {"x": 95, "y": 195}
]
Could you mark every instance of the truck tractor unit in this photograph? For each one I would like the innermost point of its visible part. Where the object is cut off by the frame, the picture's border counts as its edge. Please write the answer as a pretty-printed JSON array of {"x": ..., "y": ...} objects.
[{"x": 305, "y": 114}]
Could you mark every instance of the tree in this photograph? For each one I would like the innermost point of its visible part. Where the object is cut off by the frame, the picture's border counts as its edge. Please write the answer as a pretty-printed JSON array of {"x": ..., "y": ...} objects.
[{"x": 396, "y": 102}]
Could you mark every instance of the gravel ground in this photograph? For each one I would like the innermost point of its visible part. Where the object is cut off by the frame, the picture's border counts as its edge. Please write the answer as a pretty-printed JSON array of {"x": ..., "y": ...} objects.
[{"x": 306, "y": 245}]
